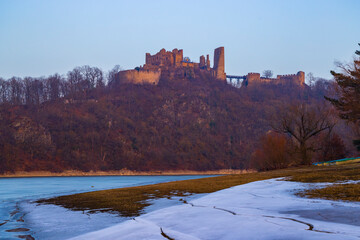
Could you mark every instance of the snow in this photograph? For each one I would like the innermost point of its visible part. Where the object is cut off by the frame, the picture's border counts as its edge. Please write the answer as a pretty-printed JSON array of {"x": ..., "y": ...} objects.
[
  {"x": 258, "y": 210},
  {"x": 18, "y": 209},
  {"x": 49, "y": 221}
]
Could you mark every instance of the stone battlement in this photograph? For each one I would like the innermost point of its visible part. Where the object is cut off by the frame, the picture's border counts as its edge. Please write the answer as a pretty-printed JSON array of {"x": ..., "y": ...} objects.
[
  {"x": 286, "y": 75},
  {"x": 298, "y": 78}
]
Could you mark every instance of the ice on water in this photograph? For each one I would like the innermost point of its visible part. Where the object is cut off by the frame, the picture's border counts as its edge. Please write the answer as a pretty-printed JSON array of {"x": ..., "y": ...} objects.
[
  {"x": 53, "y": 222},
  {"x": 258, "y": 210}
]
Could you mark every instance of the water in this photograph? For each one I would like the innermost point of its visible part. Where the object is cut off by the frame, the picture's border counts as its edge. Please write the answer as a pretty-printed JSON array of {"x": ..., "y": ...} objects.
[{"x": 17, "y": 209}]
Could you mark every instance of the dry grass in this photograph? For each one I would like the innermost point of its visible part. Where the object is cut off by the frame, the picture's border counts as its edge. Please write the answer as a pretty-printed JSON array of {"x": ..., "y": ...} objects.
[
  {"x": 345, "y": 192},
  {"x": 329, "y": 174},
  {"x": 131, "y": 201}
]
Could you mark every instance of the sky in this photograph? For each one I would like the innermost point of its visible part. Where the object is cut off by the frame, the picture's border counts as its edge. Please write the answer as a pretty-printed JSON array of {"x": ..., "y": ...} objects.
[{"x": 41, "y": 37}]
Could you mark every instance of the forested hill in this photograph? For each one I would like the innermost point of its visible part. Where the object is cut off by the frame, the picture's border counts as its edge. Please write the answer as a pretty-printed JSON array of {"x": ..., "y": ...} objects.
[{"x": 190, "y": 124}]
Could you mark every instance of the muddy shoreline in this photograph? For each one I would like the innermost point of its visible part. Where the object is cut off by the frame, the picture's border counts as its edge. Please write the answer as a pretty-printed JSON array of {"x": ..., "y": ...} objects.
[{"x": 73, "y": 173}]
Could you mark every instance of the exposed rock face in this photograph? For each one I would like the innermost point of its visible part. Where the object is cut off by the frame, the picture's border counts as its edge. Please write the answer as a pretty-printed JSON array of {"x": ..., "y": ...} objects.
[{"x": 26, "y": 130}]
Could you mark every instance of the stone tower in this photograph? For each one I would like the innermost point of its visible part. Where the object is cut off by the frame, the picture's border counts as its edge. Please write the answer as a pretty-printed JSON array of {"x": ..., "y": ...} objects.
[
  {"x": 207, "y": 62},
  {"x": 301, "y": 78},
  {"x": 202, "y": 62},
  {"x": 219, "y": 63}
]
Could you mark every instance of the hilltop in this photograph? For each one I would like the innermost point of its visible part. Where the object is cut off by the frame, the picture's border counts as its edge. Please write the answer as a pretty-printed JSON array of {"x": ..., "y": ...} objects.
[
  {"x": 169, "y": 114},
  {"x": 188, "y": 123}
]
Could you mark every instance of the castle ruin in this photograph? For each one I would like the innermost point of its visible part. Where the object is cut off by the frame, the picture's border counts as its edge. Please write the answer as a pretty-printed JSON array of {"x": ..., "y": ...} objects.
[
  {"x": 172, "y": 62},
  {"x": 298, "y": 79}
]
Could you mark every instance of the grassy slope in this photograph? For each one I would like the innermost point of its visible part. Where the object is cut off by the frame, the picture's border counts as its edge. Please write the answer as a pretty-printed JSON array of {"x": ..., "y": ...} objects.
[{"x": 131, "y": 201}]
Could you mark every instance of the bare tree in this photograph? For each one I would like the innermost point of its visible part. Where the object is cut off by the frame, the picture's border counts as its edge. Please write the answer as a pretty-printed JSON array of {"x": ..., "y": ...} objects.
[
  {"x": 267, "y": 73},
  {"x": 75, "y": 81},
  {"x": 111, "y": 76},
  {"x": 93, "y": 75},
  {"x": 4, "y": 90},
  {"x": 16, "y": 90},
  {"x": 38, "y": 90},
  {"x": 28, "y": 91},
  {"x": 98, "y": 77},
  {"x": 310, "y": 79},
  {"x": 302, "y": 123},
  {"x": 53, "y": 84}
]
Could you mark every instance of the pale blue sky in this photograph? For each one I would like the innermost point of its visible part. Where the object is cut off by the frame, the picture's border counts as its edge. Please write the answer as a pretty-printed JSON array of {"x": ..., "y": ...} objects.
[{"x": 42, "y": 37}]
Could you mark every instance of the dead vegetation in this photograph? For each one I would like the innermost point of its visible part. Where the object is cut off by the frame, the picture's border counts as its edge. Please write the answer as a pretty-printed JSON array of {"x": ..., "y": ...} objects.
[{"x": 344, "y": 192}]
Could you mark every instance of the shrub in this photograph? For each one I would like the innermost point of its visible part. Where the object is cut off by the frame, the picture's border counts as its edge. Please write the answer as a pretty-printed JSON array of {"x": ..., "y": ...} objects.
[{"x": 272, "y": 154}]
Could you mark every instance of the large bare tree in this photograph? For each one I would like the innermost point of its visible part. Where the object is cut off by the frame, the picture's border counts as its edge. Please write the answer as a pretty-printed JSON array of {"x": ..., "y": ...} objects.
[{"x": 302, "y": 122}]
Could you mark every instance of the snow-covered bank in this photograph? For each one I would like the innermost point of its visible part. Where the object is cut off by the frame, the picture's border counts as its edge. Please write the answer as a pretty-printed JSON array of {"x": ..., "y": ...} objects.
[
  {"x": 19, "y": 211},
  {"x": 258, "y": 210}
]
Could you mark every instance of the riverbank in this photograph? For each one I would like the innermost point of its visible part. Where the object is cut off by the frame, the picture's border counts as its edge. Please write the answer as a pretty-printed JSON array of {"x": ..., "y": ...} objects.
[
  {"x": 18, "y": 210},
  {"x": 130, "y": 202},
  {"x": 74, "y": 173},
  {"x": 266, "y": 209}
]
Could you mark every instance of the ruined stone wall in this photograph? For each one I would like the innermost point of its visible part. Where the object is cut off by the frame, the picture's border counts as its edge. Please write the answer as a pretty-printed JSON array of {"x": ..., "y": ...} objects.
[
  {"x": 162, "y": 58},
  {"x": 171, "y": 64},
  {"x": 298, "y": 78},
  {"x": 178, "y": 56},
  {"x": 190, "y": 64},
  {"x": 139, "y": 76},
  {"x": 251, "y": 77},
  {"x": 269, "y": 80},
  {"x": 166, "y": 63},
  {"x": 219, "y": 63},
  {"x": 165, "y": 58}
]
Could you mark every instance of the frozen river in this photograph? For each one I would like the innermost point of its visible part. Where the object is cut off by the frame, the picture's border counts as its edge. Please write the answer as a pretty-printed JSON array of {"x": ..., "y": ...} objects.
[
  {"x": 19, "y": 217},
  {"x": 265, "y": 210}
]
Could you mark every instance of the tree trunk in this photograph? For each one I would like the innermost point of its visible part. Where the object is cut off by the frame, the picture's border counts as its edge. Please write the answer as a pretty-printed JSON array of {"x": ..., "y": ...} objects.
[{"x": 305, "y": 158}]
